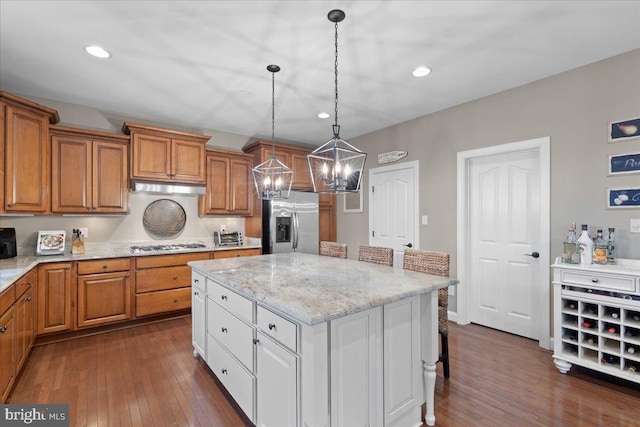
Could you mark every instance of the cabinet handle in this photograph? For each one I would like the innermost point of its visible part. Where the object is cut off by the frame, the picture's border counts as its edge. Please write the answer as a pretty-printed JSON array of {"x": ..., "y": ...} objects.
[
  {"x": 175, "y": 277},
  {"x": 224, "y": 330},
  {"x": 224, "y": 297},
  {"x": 104, "y": 266},
  {"x": 28, "y": 283},
  {"x": 224, "y": 371},
  {"x": 88, "y": 208},
  {"x": 272, "y": 326},
  {"x": 595, "y": 280},
  {"x": 67, "y": 268},
  {"x": 256, "y": 341},
  {"x": 175, "y": 300},
  {"x": 28, "y": 298},
  {"x": 3, "y": 329}
]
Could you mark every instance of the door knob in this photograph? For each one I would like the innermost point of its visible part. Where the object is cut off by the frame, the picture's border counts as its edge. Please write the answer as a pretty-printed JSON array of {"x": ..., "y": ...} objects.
[
  {"x": 409, "y": 245},
  {"x": 533, "y": 254}
]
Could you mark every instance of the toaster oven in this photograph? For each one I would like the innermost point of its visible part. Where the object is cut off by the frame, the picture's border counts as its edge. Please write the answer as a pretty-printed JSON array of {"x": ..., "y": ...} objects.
[{"x": 231, "y": 238}]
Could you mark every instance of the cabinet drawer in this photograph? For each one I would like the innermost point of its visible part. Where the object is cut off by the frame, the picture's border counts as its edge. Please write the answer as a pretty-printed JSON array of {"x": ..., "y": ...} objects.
[
  {"x": 239, "y": 382},
  {"x": 157, "y": 279},
  {"x": 169, "y": 260},
  {"x": 7, "y": 298},
  {"x": 232, "y": 332},
  {"x": 278, "y": 328},
  {"x": 599, "y": 280},
  {"x": 163, "y": 301},
  {"x": 233, "y": 253},
  {"x": 231, "y": 300},
  {"x": 26, "y": 282},
  {"x": 103, "y": 266}
]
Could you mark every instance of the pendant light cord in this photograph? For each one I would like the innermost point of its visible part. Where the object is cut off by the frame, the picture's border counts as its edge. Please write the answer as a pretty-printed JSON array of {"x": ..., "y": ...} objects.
[
  {"x": 273, "y": 114},
  {"x": 336, "y": 77}
]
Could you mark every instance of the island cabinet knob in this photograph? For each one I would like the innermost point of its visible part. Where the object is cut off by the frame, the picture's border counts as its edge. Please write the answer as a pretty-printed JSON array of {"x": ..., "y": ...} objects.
[
  {"x": 272, "y": 326},
  {"x": 595, "y": 280},
  {"x": 224, "y": 330},
  {"x": 196, "y": 293},
  {"x": 224, "y": 371},
  {"x": 256, "y": 341},
  {"x": 224, "y": 297},
  {"x": 196, "y": 281}
]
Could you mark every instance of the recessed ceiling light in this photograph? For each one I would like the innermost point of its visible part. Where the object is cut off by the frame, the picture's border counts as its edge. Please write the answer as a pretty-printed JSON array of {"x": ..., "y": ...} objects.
[
  {"x": 323, "y": 115},
  {"x": 421, "y": 71},
  {"x": 97, "y": 51}
]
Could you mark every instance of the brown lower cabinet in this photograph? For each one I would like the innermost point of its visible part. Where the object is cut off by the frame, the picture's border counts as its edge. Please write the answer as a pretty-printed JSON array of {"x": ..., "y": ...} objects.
[
  {"x": 54, "y": 297},
  {"x": 233, "y": 253},
  {"x": 7, "y": 351}
]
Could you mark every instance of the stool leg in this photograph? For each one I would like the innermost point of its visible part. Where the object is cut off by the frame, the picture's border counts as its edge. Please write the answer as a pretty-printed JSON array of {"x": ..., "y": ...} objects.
[{"x": 444, "y": 356}]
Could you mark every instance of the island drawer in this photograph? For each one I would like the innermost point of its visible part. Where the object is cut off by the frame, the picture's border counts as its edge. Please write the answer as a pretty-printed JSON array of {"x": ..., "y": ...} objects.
[
  {"x": 26, "y": 282},
  {"x": 599, "y": 280},
  {"x": 238, "y": 381},
  {"x": 230, "y": 300},
  {"x": 163, "y": 301},
  {"x": 169, "y": 260},
  {"x": 158, "y": 279},
  {"x": 279, "y": 328},
  {"x": 232, "y": 332},
  {"x": 103, "y": 266}
]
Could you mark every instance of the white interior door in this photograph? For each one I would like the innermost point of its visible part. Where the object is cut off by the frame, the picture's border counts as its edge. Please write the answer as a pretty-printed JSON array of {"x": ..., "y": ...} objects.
[
  {"x": 393, "y": 204},
  {"x": 504, "y": 230}
]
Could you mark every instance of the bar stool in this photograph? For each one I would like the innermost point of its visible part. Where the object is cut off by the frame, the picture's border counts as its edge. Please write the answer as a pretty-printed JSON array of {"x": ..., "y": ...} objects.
[
  {"x": 334, "y": 249},
  {"x": 437, "y": 264},
  {"x": 376, "y": 255}
]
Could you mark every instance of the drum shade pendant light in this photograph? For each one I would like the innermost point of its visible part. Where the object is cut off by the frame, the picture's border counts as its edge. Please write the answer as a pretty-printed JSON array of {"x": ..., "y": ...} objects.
[
  {"x": 272, "y": 178},
  {"x": 336, "y": 167}
]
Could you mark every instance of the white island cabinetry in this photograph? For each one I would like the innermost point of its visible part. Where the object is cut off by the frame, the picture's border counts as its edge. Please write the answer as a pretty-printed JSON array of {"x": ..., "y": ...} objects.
[
  {"x": 294, "y": 347},
  {"x": 597, "y": 318}
]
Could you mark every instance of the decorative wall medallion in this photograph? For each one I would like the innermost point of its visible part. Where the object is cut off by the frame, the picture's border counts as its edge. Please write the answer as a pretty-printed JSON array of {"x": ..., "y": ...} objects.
[{"x": 164, "y": 219}]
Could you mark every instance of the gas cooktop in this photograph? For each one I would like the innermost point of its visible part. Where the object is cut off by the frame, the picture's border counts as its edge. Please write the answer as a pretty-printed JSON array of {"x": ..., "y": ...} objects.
[{"x": 174, "y": 247}]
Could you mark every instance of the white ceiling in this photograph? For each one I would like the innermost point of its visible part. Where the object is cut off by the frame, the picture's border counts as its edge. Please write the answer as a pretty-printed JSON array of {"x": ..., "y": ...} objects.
[{"x": 202, "y": 64}]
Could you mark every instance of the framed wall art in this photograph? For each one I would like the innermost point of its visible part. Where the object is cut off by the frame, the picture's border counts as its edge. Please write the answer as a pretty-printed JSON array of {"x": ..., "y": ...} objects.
[
  {"x": 624, "y": 130},
  {"x": 623, "y": 198},
  {"x": 623, "y": 164}
]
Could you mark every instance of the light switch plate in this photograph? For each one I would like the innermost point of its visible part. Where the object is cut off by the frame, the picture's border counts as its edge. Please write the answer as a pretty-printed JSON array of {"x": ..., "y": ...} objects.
[
  {"x": 84, "y": 231},
  {"x": 223, "y": 228},
  {"x": 425, "y": 220},
  {"x": 634, "y": 225}
]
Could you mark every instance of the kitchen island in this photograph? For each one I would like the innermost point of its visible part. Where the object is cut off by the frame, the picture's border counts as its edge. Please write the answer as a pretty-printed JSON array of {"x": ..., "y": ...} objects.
[{"x": 307, "y": 340}]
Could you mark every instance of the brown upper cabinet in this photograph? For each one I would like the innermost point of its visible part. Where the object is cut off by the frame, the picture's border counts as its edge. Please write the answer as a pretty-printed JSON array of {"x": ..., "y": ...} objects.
[
  {"x": 292, "y": 156},
  {"x": 163, "y": 155},
  {"x": 229, "y": 184},
  {"x": 25, "y": 155},
  {"x": 88, "y": 171}
]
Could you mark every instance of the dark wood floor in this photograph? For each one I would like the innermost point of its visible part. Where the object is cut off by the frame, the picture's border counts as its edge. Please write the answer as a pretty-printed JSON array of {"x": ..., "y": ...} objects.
[{"x": 147, "y": 376}]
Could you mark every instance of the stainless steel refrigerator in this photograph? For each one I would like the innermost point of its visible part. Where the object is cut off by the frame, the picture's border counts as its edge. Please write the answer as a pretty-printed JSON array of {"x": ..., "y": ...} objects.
[{"x": 291, "y": 225}]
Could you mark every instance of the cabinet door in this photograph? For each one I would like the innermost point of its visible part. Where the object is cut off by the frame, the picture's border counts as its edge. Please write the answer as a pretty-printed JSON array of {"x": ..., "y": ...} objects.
[
  {"x": 150, "y": 157},
  {"x": 103, "y": 298},
  {"x": 277, "y": 378},
  {"x": 54, "y": 297},
  {"x": 7, "y": 352},
  {"x": 27, "y": 160},
  {"x": 109, "y": 189},
  {"x": 187, "y": 161},
  {"x": 356, "y": 376},
  {"x": 198, "y": 312},
  {"x": 70, "y": 174},
  {"x": 241, "y": 201},
  {"x": 301, "y": 175},
  {"x": 25, "y": 327},
  {"x": 402, "y": 363},
  {"x": 327, "y": 223},
  {"x": 216, "y": 201}
]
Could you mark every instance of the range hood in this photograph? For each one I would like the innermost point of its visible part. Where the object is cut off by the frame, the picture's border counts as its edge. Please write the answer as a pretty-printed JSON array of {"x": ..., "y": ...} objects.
[{"x": 165, "y": 188}]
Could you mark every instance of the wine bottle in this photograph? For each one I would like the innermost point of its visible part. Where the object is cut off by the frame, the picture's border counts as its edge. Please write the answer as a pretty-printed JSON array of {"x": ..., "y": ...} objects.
[
  {"x": 611, "y": 247},
  {"x": 586, "y": 246},
  {"x": 600, "y": 248}
]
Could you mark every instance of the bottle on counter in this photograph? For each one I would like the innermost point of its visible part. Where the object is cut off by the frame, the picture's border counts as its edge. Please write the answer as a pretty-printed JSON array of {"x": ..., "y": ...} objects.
[
  {"x": 570, "y": 248},
  {"x": 585, "y": 246},
  {"x": 611, "y": 247},
  {"x": 600, "y": 248}
]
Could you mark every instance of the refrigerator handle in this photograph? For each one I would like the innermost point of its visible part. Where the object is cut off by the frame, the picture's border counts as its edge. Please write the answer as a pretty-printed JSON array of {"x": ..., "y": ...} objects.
[{"x": 296, "y": 226}]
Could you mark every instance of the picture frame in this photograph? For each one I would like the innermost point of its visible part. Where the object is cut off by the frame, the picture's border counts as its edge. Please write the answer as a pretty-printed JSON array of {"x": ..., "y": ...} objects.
[
  {"x": 623, "y": 198},
  {"x": 624, "y": 130},
  {"x": 352, "y": 202},
  {"x": 623, "y": 164},
  {"x": 51, "y": 242}
]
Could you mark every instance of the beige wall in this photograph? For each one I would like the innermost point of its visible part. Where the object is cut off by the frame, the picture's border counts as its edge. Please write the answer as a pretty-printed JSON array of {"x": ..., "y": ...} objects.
[{"x": 572, "y": 108}]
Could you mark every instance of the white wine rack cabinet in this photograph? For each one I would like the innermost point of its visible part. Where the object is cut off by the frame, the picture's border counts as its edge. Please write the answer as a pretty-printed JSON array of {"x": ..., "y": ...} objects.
[{"x": 597, "y": 318}]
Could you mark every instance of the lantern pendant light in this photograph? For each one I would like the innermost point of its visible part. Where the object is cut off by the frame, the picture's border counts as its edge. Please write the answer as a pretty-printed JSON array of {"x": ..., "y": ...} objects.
[
  {"x": 272, "y": 178},
  {"x": 336, "y": 167}
]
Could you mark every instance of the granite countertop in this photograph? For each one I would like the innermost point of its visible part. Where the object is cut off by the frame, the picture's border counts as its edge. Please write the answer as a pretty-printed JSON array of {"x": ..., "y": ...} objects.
[
  {"x": 313, "y": 289},
  {"x": 11, "y": 269}
]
